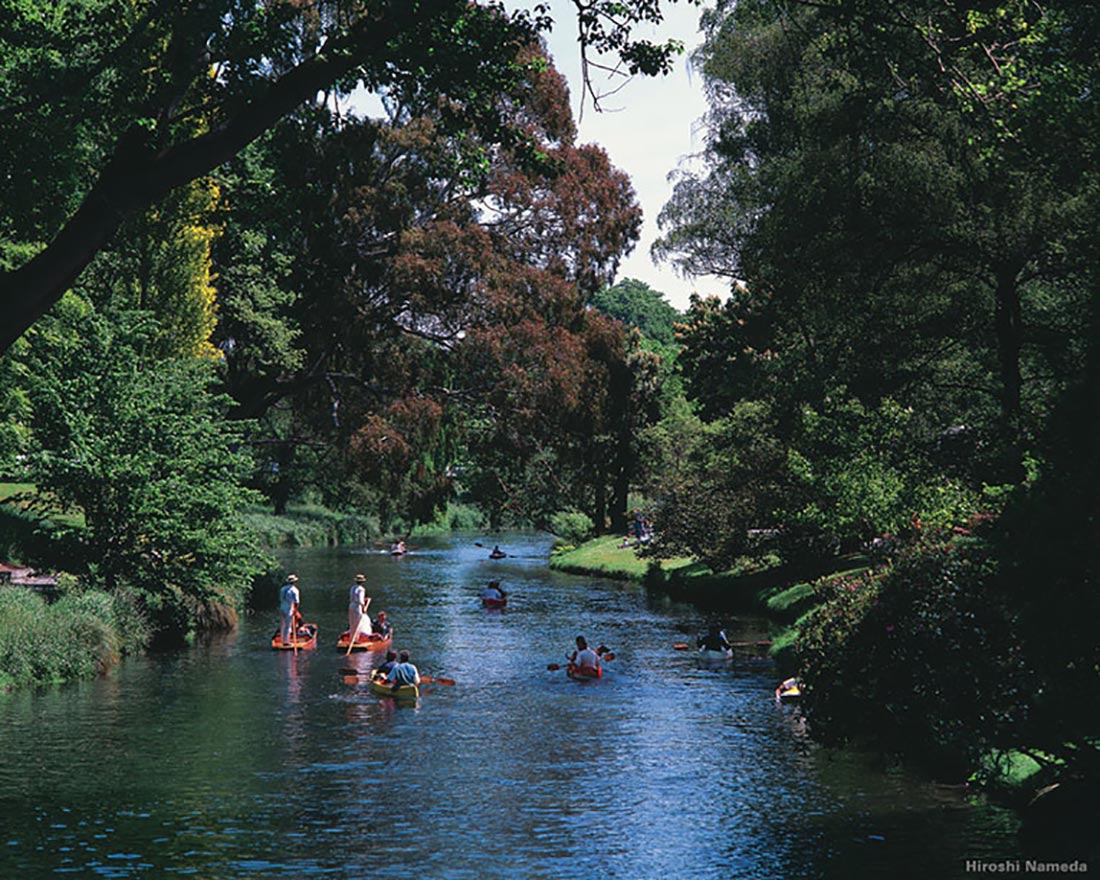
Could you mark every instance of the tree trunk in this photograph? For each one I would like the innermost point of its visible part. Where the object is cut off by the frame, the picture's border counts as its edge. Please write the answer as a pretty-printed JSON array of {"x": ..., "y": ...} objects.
[
  {"x": 599, "y": 506},
  {"x": 1008, "y": 324},
  {"x": 1009, "y": 328}
]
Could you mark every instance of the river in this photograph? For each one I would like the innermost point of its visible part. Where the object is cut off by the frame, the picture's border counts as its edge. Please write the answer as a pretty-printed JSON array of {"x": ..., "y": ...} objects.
[{"x": 230, "y": 760}]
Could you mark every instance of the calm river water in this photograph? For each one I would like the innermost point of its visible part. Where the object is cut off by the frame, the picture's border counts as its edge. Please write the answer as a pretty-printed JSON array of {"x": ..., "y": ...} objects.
[{"x": 230, "y": 760}]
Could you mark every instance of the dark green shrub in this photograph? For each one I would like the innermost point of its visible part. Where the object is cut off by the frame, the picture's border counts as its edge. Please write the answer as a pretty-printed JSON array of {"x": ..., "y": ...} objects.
[{"x": 919, "y": 660}]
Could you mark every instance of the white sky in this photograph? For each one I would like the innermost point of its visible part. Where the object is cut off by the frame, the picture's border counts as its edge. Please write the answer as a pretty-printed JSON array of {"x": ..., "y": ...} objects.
[{"x": 647, "y": 129}]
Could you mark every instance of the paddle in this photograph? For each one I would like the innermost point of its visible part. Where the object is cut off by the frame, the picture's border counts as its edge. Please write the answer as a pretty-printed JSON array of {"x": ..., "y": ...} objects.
[
  {"x": 358, "y": 626},
  {"x": 424, "y": 679}
]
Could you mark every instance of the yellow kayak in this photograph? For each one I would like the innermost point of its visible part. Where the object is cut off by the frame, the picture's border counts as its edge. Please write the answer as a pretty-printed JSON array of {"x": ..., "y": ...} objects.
[{"x": 404, "y": 692}]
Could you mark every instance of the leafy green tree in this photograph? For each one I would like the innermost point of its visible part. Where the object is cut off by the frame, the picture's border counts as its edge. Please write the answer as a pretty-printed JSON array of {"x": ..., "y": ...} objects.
[
  {"x": 729, "y": 479},
  {"x": 142, "y": 450},
  {"x": 891, "y": 234},
  {"x": 102, "y": 96},
  {"x": 637, "y": 304}
]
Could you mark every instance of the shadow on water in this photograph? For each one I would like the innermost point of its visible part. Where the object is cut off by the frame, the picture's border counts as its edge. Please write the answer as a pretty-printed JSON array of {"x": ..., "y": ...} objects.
[{"x": 230, "y": 760}]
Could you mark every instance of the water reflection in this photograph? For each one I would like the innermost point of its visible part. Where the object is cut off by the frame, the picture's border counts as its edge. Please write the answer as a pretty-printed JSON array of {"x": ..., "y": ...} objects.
[{"x": 231, "y": 760}]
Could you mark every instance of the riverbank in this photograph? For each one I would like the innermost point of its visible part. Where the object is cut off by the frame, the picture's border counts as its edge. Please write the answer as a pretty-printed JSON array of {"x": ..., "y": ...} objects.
[
  {"x": 781, "y": 594},
  {"x": 778, "y": 592}
]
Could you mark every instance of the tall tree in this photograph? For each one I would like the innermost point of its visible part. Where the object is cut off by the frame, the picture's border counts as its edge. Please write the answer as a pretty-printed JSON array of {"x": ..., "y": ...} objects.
[
  {"x": 893, "y": 232},
  {"x": 108, "y": 130}
]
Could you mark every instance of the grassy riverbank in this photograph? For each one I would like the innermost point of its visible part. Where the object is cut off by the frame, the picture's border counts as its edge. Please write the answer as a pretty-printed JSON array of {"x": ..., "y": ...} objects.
[
  {"x": 779, "y": 593},
  {"x": 605, "y": 557},
  {"x": 80, "y": 635},
  {"x": 776, "y": 591}
]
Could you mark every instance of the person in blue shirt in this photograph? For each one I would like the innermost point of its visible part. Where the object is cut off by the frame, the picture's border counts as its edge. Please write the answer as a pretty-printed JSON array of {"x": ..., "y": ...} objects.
[
  {"x": 289, "y": 599},
  {"x": 404, "y": 672}
]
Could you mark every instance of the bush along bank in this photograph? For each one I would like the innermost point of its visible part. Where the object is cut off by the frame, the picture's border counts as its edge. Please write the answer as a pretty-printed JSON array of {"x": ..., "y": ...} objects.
[
  {"x": 81, "y": 635},
  {"x": 930, "y": 658}
]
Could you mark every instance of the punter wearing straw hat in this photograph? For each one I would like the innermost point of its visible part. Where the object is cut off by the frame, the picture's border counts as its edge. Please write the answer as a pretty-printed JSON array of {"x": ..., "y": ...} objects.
[
  {"x": 357, "y": 608},
  {"x": 289, "y": 599}
]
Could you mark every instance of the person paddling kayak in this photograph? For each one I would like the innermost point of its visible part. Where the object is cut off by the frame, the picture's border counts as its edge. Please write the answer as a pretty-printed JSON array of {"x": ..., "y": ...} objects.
[
  {"x": 714, "y": 640},
  {"x": 404, "y": 672},
  {"x": 584, "y": 661}
]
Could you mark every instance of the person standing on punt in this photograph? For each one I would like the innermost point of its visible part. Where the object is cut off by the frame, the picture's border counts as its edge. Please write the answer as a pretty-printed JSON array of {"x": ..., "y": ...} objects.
[
  {"x": 404, "y": 672},
  {"x": 357, "y": 608},
  {"x": 289, "y": 600}
]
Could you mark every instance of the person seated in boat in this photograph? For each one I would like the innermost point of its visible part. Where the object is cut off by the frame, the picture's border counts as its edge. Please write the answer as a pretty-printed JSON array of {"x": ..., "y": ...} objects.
[
  {"x": 398, "y": 548},
  {"x": 497, "y": 552},
  {"x": 586, "y": 661},
  {"x": 383, "y": 629},
  {"x": 493, "y": 592},
  {"x": 404, "y": 672},
  {"x": 358, "y": 600},
  {"x": 788, "y": 688},
  {"x": 714, "y": 640},
  {"x": 384, "y": 670},
  {"x": 289, "y": 599}
]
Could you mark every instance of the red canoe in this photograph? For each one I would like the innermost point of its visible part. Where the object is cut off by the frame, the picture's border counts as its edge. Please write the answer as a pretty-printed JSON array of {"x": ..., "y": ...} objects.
[{"x": 494, "y": 603}]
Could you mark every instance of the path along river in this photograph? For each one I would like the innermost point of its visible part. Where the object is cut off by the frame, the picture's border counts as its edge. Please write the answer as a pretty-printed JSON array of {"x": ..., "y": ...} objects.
[{"x": 230, "y": 760}]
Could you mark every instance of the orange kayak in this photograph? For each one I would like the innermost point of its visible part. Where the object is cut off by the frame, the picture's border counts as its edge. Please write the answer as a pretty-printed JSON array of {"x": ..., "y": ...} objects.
[
  {"x": 586, "y": 673},
  {"x": 371, "y": 642},
  {"x": 305, "y": 639}
]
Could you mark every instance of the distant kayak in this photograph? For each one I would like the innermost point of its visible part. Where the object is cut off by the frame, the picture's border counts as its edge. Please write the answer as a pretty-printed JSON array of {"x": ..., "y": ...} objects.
[
  {"x": 494, "y": 603},
  {"x": 305, "y": 639},
  {"x": 788, "y": 692},
  {"x": 714, "y": 657}
]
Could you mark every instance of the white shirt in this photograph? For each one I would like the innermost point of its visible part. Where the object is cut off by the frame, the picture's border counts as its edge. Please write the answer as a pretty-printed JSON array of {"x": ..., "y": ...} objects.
[
  {"x": 357, "y": 595},
  {"x": 588, "y": 658}
]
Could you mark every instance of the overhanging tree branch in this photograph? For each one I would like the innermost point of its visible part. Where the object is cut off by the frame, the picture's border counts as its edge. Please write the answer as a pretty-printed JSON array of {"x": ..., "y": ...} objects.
[{"x": 137, "y": 175}]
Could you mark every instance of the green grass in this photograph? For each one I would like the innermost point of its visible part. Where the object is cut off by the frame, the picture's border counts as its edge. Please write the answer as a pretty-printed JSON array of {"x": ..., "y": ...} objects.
[
  {"x": 604, "y": 557},
  {"x": 308, "y": 525},
  {"x": 78, "y": 636},
  {"x": 10, "y": 492}
]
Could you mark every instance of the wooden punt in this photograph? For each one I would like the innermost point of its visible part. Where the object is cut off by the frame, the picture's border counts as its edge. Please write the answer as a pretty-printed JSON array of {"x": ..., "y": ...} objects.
[
  {"x": 371, "y": 642},
  {"x": 304, "y": 640}
]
